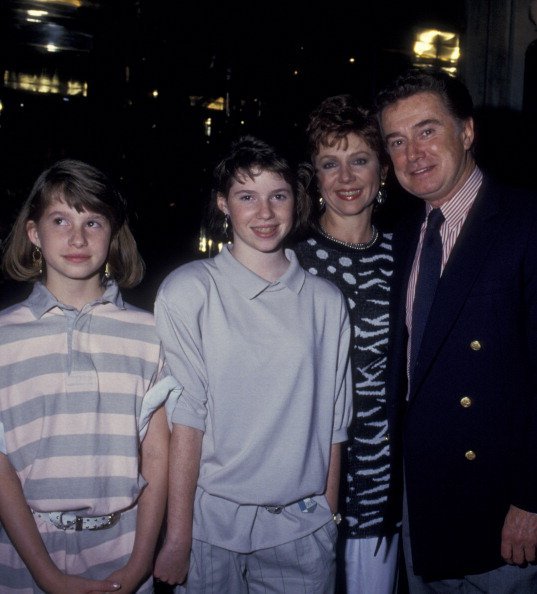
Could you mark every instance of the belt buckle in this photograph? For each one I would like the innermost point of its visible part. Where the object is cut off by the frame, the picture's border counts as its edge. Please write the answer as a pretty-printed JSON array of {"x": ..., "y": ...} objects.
[
  {"x": 67, "y": 520},
  {"x": 70, "y": 521}
]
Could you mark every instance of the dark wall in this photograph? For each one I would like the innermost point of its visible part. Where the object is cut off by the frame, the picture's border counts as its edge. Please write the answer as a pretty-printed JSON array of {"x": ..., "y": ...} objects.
[{"x": 156, "y": 147}]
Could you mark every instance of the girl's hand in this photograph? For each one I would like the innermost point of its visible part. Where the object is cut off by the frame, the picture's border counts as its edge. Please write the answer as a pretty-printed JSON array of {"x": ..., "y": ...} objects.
[
  {"x": 70, "y": 584},
  {"x": 130, "y": 578},
  {"x": 171, "y": 566}
]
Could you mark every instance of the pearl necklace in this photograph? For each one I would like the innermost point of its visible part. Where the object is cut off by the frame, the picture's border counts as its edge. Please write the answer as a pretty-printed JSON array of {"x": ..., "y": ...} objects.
[{"x": 353, "y": 246}]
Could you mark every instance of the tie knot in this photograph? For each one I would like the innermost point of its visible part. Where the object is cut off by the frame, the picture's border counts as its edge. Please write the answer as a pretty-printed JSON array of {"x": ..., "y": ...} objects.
[{"x": 435, "y": 219}]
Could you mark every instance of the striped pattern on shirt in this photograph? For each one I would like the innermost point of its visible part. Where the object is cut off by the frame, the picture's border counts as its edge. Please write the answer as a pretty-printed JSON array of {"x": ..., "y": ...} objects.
[
  {"x": 71, "y": 390},
  {"x": 455, "y": 212}
]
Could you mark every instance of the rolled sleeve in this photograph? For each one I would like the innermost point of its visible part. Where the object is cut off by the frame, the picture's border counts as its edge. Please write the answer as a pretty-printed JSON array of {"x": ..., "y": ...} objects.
[
  {"x": 167, "y": 392},
  {"x": 180, "y": 334}
]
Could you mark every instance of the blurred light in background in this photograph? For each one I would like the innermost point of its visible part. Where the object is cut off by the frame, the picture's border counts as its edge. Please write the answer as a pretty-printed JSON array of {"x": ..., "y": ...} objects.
[{"x": 434, "y": 48}]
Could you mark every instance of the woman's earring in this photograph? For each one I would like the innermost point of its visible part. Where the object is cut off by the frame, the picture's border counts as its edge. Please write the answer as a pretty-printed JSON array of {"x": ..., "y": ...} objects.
[
  {"x": 107, "y": 272},
  {"x": 226, "y": 224},
  {"x": 381, "y": 196},
  {"x": 37, "y": 259},
  {"x": 322, "y": 203}
]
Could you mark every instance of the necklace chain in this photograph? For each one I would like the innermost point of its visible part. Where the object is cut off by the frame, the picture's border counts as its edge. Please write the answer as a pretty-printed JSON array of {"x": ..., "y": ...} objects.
[{"x": 354, "y": 246}]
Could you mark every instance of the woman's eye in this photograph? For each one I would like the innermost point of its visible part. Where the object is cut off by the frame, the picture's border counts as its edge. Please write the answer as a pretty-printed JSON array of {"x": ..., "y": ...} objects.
[
  {"x": 328, "y": 165},
  {"x": 59, "y": 221},
  {"x": 94, "y": 224}
]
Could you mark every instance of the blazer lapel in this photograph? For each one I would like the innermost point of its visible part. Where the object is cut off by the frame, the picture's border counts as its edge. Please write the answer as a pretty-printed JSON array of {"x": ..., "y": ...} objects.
[{"x": 464, "y": 264}]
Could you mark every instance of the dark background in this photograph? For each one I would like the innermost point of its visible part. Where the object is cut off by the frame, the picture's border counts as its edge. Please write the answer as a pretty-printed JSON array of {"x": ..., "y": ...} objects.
[{"x": 272, "y": 62}]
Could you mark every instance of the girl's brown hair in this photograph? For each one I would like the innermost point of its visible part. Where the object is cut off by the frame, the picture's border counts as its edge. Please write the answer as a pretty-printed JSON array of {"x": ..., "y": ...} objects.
[{"x": 82, "y": 187}]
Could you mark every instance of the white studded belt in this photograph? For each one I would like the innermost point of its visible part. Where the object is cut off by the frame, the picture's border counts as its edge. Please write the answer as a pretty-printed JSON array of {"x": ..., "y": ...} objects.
[{"x": 70, "y": 521}]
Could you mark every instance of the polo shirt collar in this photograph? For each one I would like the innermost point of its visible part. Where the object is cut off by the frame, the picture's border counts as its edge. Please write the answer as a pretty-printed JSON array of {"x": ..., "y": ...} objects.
[
  {"x": 41, "y": 300},
  {"x": 252, "y": 285}
]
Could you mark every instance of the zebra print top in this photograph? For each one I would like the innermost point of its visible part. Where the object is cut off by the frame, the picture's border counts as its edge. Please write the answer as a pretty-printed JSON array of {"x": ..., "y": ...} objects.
[{"x": 364, "y": 276}]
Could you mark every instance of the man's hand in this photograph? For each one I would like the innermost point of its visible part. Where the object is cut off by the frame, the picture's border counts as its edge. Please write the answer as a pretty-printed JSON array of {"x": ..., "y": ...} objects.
[{"x": 519, "y": 537}]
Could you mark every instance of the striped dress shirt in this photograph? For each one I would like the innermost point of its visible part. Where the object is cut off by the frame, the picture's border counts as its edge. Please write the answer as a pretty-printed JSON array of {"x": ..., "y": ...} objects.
[{"x": 455, "y": 212}]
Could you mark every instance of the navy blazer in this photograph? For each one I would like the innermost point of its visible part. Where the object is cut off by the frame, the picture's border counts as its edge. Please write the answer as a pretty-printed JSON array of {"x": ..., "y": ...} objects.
[{"x": 470, "y": 424}]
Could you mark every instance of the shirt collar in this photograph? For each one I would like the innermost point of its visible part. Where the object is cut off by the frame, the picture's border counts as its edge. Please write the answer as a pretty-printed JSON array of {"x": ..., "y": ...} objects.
[
  {"x": 41, "y": 300},
  {"x": 250, "y": 284},
  {"x": 458, "y": 207}
]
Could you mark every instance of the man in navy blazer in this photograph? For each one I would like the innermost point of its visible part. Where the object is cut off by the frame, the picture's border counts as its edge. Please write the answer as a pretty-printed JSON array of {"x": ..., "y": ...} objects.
[{"x": 469, "y": 431}]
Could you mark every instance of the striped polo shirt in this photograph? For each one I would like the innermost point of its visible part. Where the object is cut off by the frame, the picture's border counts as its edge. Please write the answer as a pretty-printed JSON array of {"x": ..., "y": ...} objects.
[{"x": 75, "y": 389}]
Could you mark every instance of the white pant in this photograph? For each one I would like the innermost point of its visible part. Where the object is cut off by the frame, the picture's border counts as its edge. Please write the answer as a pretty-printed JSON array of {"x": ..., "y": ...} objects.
[{"x": 367, "y": 573}]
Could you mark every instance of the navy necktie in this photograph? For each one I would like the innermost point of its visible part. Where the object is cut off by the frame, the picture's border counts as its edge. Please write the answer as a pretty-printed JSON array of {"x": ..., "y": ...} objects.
[{"x": 428, "y": 275}]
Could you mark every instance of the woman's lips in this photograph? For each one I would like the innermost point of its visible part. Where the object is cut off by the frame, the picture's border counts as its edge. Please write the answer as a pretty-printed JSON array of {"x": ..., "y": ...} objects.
[{"x": 348, "y": 195}]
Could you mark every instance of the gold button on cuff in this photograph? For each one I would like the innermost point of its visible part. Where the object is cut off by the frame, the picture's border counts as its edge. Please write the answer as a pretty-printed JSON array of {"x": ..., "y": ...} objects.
[
  {"x": 466, "y": 402},
  {"x": 475, "y": 345},
  {"x": 470, "y": 455}
]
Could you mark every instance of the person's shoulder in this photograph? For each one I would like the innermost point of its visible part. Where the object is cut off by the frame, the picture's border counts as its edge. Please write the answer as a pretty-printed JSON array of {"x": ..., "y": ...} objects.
[
  {"x": 326, "y": 298},
  {"x": 513, "y": 197},
  {"x": 189, "y": 283},
  {"x": 307, "y": 250},
  {"x": 385, "y": 241},
  {"x": 304, "y": 241},
  {"x": 126, "y": 322},
  {"x": 322, "y": 286},
  {"x": 386, "y": 235},
  {"x": 300, "y": 247},
  {"x": 187, "y": 275},
  {"x": 133, "y": 313},
  {"x": 526, "y": 198},
  {"x": 515, "y": 206},
  {"x": 16, "y": 321},
  {"x": 13, "y": 313}
]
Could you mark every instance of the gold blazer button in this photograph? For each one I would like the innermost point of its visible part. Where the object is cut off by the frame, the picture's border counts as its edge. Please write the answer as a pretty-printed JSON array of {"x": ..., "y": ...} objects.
[
  {"x": 470, "y": 455},
  {"x": 475, "y": 345}
]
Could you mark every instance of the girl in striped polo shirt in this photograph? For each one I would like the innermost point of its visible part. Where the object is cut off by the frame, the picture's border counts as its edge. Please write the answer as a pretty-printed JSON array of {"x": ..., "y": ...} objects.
[{"x": 83, "y": 432}]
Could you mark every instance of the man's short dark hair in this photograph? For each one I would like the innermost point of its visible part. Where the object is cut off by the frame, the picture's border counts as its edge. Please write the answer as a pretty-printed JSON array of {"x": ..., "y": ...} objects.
[{"x": 450, "y": 89}]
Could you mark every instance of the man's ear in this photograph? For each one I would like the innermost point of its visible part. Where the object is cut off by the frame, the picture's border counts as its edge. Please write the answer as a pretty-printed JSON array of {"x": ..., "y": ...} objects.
[{"x": 468, "y": 134}]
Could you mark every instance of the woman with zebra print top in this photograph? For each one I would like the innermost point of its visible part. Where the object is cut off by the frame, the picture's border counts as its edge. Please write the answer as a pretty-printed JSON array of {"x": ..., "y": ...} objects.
[{"x": 345, "y": 247}]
